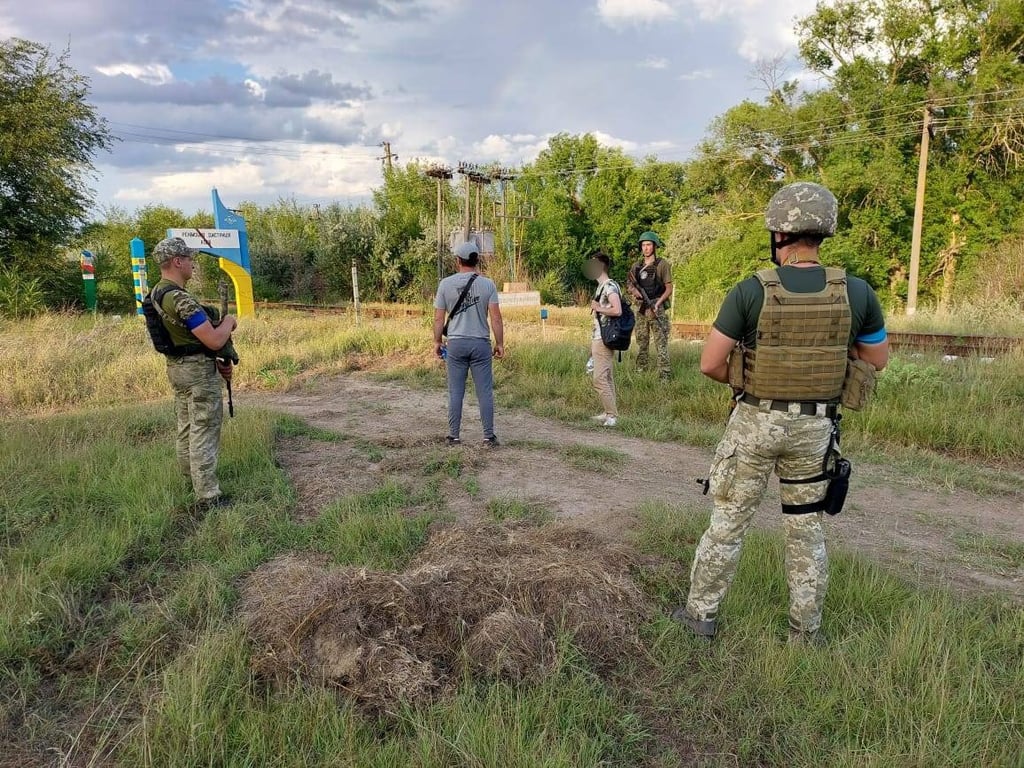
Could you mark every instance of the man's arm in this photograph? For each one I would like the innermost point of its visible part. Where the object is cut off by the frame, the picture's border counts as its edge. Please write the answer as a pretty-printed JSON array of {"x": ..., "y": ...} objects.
[
  {"x": 498, "y": 324},
  {"x": 666, "y": 279},
  {"x": 438, "y": 330},
  {"x": 215, "y": 337},
  {"x": 875, "y": 354},
  {"x": 664, "y": 296},
  {"x": 613, "y": 310},
  {"x": 714, "y": 360}
]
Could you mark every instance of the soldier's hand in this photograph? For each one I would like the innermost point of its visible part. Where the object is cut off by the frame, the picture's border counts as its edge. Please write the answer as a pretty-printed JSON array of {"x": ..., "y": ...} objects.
[{"x": 225, "y": 369}]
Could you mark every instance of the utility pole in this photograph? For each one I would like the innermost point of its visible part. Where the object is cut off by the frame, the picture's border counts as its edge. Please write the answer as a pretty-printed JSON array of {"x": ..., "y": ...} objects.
[
  {"x": 440, "y": 173},
  {"x": 505, "y": 175},
  {"x": 387, "y": 157},
  {"x": 464, "y": 171},
  {"x": 915, "y": 243}
]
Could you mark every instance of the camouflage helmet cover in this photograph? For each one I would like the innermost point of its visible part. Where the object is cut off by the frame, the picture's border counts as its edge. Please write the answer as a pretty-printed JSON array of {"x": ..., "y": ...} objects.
[
  {"x": 803, "y": 208},
  {"x": 169, "y": 248},
  {"x": 651, "y": 237}
]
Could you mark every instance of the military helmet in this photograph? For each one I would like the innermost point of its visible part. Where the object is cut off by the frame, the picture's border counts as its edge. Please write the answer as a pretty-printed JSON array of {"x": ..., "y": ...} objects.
[
  {"x": 169, "y": 248},
  {"x": 650, "y": 236},
  {"x": 803, "y": 208}
]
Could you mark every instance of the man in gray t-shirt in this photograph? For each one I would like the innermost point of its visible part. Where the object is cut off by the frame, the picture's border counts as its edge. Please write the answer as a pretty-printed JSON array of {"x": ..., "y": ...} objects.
[{"x": 469, "y": 340}]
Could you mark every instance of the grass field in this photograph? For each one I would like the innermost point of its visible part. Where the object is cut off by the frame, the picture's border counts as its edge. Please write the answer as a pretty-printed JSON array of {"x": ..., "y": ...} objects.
[{"x": 119, "y": 641}]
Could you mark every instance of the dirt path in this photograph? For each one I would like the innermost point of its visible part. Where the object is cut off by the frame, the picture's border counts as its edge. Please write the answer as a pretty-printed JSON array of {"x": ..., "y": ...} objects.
[{"x": 955, "y": 538}]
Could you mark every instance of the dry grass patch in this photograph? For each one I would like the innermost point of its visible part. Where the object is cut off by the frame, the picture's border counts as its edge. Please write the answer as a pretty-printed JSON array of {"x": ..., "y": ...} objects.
[{"x": 490, "y": 600}]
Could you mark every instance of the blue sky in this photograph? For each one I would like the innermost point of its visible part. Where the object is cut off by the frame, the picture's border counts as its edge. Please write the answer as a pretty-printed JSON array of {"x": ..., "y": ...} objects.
[{"x": 291, "y": 98}]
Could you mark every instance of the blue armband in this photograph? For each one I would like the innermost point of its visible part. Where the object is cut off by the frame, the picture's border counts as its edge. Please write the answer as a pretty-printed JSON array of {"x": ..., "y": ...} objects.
[
  {"x": 196, "y": 320},
  {"x": 873, "y": 338}
]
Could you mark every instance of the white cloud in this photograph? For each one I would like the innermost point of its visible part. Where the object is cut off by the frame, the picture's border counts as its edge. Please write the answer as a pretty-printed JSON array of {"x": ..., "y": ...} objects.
[
  {"x": 765, "y": 26},
  {"x": 151, "y": 74},
  {"x": 257, "y": 90},
  {"x": 654, "y": 62},
  {"x": 697, "y": 74},
  {"x": 619, "y": 12},
  {"x": 607, "y": 140},
  {"x": 509, "y": 149}
]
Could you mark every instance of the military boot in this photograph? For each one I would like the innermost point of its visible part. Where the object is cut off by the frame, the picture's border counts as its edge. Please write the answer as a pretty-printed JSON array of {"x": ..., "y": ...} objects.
[
  {"x": 815, "y": 639},
  {"x": 704, "y": 629}
]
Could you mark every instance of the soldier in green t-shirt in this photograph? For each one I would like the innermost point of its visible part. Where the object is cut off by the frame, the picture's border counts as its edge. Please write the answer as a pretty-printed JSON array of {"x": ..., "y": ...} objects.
[
  {"x": 195, "y": 377},
  {"x": 793, "y": 330}
]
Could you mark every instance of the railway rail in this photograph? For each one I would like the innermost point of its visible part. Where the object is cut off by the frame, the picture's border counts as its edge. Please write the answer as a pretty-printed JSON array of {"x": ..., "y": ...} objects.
[{"x": 956, "y": 345}]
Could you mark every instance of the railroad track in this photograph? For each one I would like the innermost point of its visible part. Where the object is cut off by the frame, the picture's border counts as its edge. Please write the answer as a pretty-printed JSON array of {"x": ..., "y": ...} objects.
[{"x": 958, "y": 345}]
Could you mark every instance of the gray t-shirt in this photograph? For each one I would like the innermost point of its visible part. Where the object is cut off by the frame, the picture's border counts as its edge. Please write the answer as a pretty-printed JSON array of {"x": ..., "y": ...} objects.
[{"x": 471, "y": 321}]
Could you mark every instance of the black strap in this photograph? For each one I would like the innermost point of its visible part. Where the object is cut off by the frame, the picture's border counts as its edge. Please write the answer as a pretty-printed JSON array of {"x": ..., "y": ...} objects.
[
  {"x": 803, "y": 509},
  {"x": 458, "y": 304},
  {"x": 806, "y": 481}
]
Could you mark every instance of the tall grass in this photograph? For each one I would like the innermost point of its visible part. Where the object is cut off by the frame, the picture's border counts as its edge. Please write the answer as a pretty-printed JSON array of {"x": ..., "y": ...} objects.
[{"x": 925, "y": 408}]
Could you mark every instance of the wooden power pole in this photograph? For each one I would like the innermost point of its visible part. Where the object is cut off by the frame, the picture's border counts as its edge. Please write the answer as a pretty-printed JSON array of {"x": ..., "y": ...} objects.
[
  {"x": 387, "y": 157},
  {"x": 915, "y": 243},
  {"x": 440, "y": 174}
]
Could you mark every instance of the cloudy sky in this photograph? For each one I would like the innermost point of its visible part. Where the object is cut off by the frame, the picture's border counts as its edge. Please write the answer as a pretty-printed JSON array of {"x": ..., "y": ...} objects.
[{"x": 292, "y": 98}]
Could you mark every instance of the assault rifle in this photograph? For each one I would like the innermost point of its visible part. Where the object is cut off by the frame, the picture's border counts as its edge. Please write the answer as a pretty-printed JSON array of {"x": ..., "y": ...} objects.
[
  {"x": 227, "y": 353},
  {"x": 646, "y": 303}
]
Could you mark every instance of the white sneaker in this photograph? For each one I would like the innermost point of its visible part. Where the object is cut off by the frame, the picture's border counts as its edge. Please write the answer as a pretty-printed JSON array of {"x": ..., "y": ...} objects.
[
  {"x": 611, "y": 421},
  {"x": 601, "y": 417}
]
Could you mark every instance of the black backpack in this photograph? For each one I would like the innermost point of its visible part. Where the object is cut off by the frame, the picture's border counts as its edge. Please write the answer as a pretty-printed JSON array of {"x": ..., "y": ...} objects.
[
  {"x": 617, "y": 332},
  {"x": 158, "y": 332}
]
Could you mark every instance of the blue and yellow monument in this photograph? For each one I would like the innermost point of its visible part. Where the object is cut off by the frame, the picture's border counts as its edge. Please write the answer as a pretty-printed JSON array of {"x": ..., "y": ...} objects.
[{"x": 229, "y": 243}]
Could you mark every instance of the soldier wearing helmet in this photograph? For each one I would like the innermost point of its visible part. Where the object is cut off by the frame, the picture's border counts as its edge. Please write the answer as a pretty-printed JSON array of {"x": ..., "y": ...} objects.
[
  {"x": 192, "y": 369},
  {"x": 789, "y": 340},
  {"x": 650, "y": 283}
]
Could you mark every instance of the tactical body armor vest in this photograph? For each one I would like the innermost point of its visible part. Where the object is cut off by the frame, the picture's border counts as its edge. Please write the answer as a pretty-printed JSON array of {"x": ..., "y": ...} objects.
[
  {"x": 802, "y": 341},
  {"x": 647, "y": 278}
]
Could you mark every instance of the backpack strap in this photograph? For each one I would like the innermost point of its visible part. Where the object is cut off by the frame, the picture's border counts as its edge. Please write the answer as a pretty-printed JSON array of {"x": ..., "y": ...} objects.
[{"x": 157, "y": 295}]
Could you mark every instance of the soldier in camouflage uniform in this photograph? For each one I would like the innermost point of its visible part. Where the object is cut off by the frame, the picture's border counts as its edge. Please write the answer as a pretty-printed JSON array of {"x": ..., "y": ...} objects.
[
  {"x": 653, "y": 275},
  {"x": 195, "y": 376},
  {"x": 794, "y": 328}
]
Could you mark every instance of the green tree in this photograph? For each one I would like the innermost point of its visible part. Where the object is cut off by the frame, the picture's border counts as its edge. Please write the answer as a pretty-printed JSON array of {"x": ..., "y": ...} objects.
[{"x": 49, "y": 134}]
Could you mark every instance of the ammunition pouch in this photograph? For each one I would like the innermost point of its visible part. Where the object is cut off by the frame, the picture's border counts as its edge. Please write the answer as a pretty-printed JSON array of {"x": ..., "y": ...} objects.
[
  {"x": 736, "y": 366},
  {"x": 859, "y": 384}
]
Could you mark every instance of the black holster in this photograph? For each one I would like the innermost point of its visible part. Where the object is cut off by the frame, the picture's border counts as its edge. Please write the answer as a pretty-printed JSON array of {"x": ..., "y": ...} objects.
[{"x": 838, "y": 475}]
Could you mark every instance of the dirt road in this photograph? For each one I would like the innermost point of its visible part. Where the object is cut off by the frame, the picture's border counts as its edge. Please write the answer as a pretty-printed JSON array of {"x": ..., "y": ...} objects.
[{"x": 955, "y": 538}]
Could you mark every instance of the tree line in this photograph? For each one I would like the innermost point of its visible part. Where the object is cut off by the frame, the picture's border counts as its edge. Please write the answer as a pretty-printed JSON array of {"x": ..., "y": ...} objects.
[{"x": 849, "y": 113}]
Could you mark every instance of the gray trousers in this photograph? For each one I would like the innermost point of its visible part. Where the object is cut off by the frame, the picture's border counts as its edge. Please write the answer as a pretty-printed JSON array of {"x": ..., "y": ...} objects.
[{"x": 465, "y": 355}]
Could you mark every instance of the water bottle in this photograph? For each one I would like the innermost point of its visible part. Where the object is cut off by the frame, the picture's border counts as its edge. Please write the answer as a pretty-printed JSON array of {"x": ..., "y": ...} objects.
[
  {"x": 590, "y": 367},
  {"x": 443, "y": 354}
]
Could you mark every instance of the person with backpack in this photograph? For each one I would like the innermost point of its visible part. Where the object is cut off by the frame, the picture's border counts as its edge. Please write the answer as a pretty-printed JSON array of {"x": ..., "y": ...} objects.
[
  {"x": 607, "y": 304},
  {"x": 185, "y": 334},
  {"x": 462, "y": 307}
]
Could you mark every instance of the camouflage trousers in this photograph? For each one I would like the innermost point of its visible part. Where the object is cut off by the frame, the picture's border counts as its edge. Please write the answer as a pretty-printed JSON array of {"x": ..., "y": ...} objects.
[
  {"x": 756, "y": 442},
  {"x": 659, "y": 325},
  {"x": 199, "y": 409}
]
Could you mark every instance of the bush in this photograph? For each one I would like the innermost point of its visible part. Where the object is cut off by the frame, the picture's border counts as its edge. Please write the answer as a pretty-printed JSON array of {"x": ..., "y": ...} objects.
[
  {"x": 20, "y": 296},
  {"x": 553, "y": 289}
]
